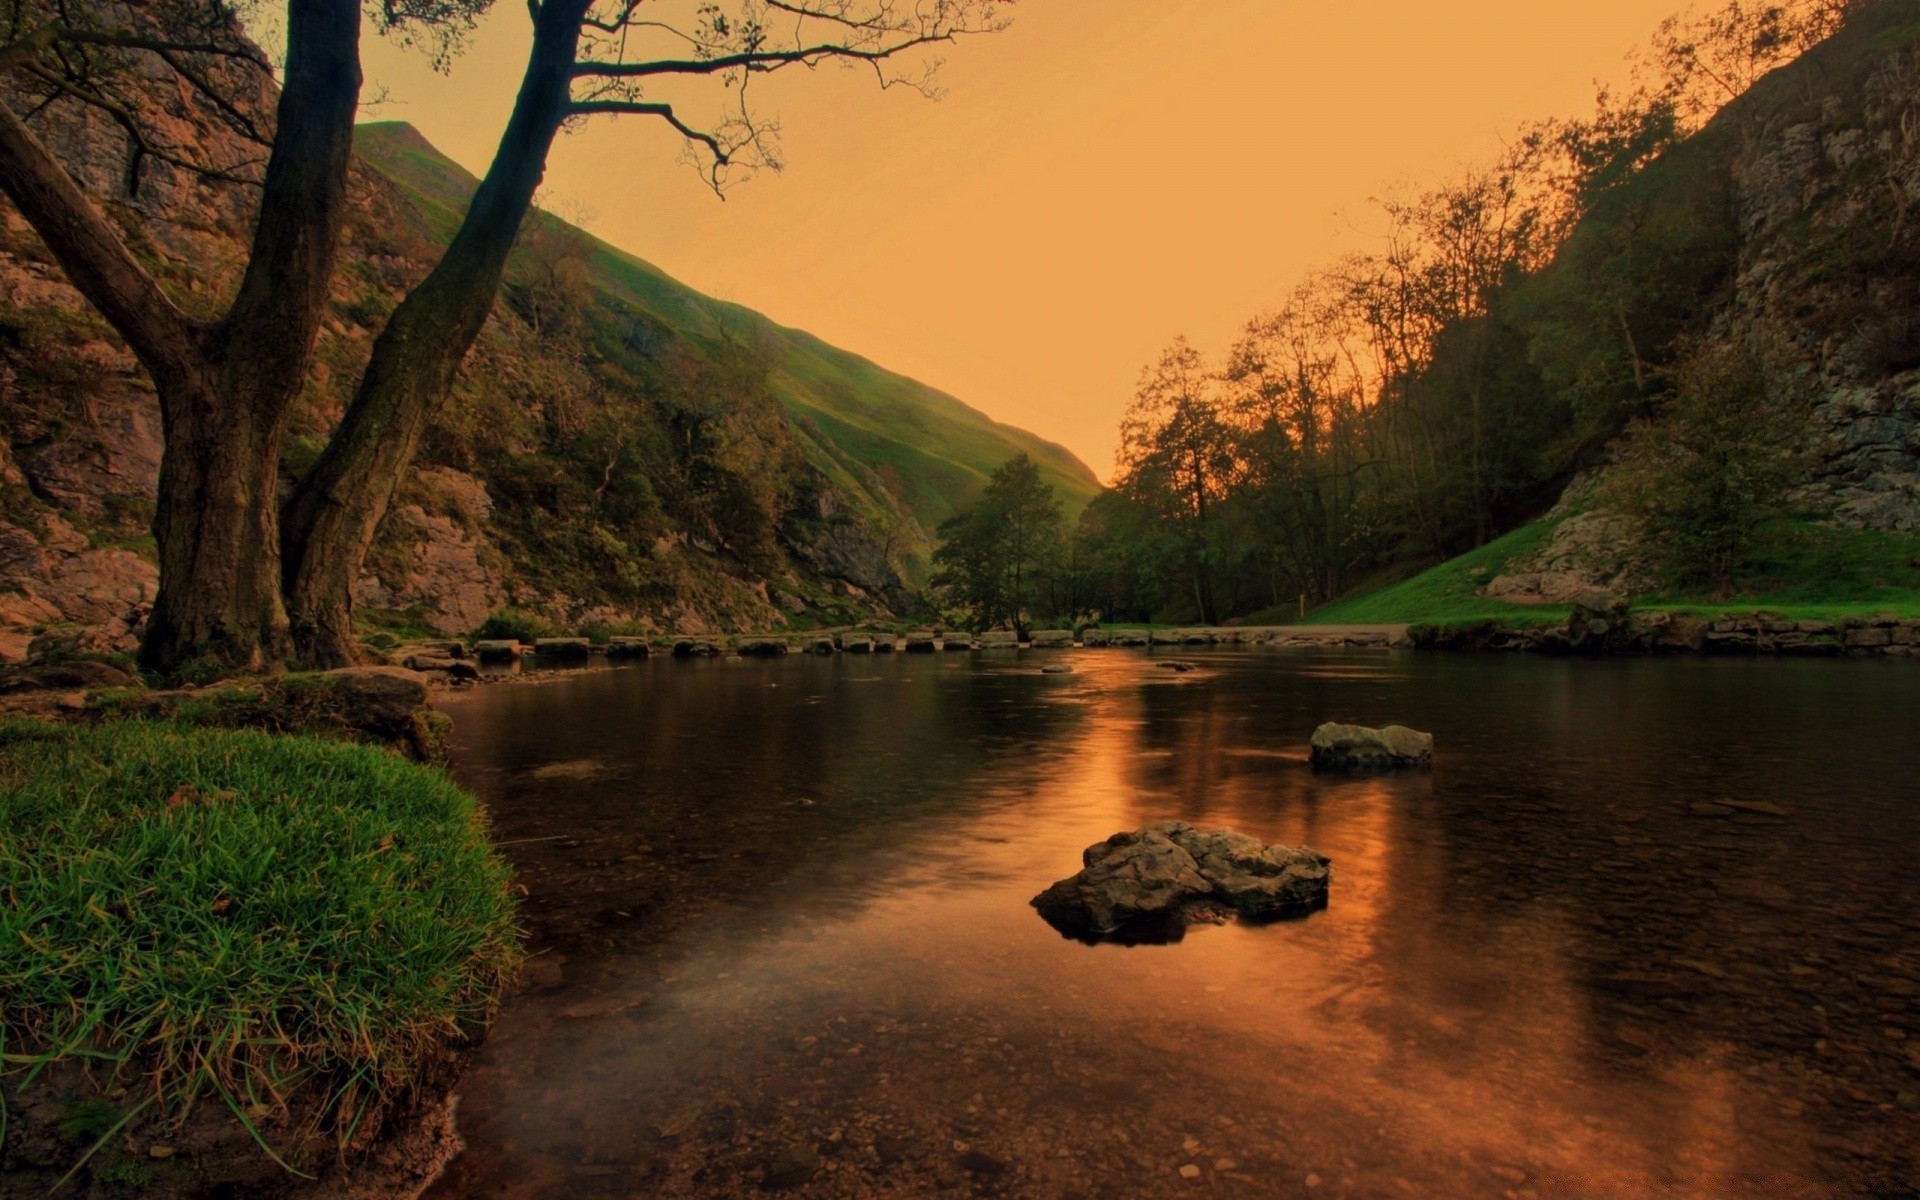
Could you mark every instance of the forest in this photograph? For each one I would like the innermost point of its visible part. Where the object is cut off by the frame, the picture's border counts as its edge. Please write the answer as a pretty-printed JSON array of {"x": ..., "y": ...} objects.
[{"x": 1559, "y": 308}]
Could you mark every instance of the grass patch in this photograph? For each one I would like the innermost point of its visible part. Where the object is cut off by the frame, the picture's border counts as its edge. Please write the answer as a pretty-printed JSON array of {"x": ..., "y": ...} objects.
[
  {"x": 1814, "y": 572},
  {"x": 1808, "y": 572},
  {"x": 241, "y": 918},
  {"x": 1448, "y": 593}
]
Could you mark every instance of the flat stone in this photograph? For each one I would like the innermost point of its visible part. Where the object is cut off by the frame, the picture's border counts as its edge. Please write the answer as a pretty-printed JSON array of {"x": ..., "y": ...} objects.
[
  {"x": 563, "y": 647},
  {"x": 1051, "y": 639},
  {"x": 628, "y": 647},
  {"x": 497, "y": 650},
  {"x": 763, "y": 647},
  {"x": 1336, "y": 745}
]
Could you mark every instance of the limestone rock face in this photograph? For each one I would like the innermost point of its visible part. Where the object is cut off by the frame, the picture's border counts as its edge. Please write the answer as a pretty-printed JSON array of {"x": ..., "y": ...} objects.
[
  {"x": 1152, "y": 883},
  {"x": 1336, "y": 745}
]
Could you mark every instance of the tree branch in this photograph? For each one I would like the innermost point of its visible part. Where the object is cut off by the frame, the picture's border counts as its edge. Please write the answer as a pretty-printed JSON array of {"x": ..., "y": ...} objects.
[
  {"x": 754, "y": 60},
  {"x": 588, "y": 108},
  {"x": 94, "y": 256}
]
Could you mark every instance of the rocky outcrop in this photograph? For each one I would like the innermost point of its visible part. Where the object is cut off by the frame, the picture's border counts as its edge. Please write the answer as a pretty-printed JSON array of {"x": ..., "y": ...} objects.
[
  {"x": 59, "y": 579},
  {"x": 1356, "y": 746},
  {"x": 1151, "y": 884}
]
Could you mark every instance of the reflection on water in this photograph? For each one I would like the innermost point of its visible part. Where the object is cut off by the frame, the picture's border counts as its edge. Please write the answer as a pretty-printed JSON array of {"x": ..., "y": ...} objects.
[{"x": 1647, "y": 929}]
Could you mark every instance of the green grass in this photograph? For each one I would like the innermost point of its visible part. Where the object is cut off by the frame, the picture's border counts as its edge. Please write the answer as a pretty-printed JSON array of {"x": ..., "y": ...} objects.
[
  {"x": 1813, "y": 572},
  {"x": 1448, "y": 593},
  {"x": 240, "y": 918},
  {"x": 1808, "y": 572}
]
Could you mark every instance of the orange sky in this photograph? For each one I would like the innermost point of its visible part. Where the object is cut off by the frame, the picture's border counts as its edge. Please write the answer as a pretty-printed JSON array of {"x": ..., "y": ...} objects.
[{"x": 1102, "y": 176}]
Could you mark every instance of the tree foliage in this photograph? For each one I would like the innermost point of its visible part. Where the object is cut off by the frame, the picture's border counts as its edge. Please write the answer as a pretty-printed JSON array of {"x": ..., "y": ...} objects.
[
  {"x": 1412, "y": 403},
  {"x": 999, "y": 560}
]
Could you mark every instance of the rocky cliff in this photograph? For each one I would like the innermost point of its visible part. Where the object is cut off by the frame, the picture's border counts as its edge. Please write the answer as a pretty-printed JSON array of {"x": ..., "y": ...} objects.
[
  {"x": 1819, "y": 166},
  {"x": 619, "y": 450}
]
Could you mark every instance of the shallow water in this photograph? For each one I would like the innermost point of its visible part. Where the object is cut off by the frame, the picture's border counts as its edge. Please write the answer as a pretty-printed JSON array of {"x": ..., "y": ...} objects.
[{"x": 1648, "y": 928}]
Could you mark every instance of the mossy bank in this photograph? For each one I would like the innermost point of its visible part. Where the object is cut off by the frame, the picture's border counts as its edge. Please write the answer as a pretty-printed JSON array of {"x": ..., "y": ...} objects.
[{"x": 233, "y": 963}]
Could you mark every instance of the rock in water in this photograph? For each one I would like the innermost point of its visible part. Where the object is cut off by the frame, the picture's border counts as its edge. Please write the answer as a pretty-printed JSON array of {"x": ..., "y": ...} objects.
[
  {"x": 1149, "y": 885},
  {"x": 1357, "y": 746}
]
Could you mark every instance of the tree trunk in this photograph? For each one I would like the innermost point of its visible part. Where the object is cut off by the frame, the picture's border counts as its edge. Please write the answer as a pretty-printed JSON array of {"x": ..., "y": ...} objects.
[
  {"x": 217, "y": 528},
  {"x": 331, "y": 518},
  {"x": 226, "y": 388}
]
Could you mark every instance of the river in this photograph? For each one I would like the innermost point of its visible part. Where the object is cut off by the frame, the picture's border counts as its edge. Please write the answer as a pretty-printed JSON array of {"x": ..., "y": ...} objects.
[{"x": 1647, "y": 928}]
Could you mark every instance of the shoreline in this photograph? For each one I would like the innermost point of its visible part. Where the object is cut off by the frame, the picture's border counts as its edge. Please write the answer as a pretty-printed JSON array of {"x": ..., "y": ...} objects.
[{"x": 1587, "y": 633}]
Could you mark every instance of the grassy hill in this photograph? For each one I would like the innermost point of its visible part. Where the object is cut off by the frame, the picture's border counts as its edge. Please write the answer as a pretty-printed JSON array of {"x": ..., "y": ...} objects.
[{"x": 854, "y": 418}]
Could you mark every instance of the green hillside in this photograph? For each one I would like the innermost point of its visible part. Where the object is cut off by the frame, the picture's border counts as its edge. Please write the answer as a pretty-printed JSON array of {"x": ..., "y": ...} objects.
[{"x": 853, "y": 417}]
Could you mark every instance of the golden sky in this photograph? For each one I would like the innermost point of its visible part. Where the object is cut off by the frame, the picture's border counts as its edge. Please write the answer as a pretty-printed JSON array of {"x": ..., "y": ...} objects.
[{"x": 1102, "y": 176}]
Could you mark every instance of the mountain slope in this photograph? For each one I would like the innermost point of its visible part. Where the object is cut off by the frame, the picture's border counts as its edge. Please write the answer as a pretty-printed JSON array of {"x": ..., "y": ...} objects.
[{"x": 856, "y": 417}]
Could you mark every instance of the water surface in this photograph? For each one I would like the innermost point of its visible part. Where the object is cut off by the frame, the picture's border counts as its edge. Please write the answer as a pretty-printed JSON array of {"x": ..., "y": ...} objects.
[{"x": 1648, "y": 928}]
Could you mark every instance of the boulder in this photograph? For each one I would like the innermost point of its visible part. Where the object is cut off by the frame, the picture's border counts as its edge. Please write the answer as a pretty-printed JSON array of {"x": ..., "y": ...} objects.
[
  {"x": 762, "y": 647},
  {"x": 505, "y": 650},
  {"x": 856, "y": 643},
  {"x": 820, "y": 645},
  {"x": 999, "y": 639},
  {"x": 628, "y": 647},
  {"x": 1051, "y": 639},
  {"x": 1166, "y": 637},
  {"x": 1129, "y": 637},
  {"x": 1094, "y": 637},
  {"x": 1336, "y": 745},
  {"x": 1056, "y": 669},
  {"x": 1178, "y": 665},
  {"x": 1149, "y": 885},
  {"x": 442, "y": 666},
  {"x": 562, "y": 647},
  {"x": 884, "y": 644},
  {"x": 378, "y": 700},
  {"x": 953, "y": 642},
  {"x": 922, "y": 642},
  {"x": 692, "y": 647}
]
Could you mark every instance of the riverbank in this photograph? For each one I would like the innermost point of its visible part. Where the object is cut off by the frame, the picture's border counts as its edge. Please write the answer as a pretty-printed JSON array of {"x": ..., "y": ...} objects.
[{"x": 236, "y": 962}]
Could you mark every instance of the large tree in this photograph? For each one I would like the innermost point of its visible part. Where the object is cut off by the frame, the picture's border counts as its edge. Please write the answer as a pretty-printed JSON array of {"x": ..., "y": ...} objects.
[
  {"x": 996, "y": 558},
  {"x": 251, "y": 573},
  {"x": 1179, "y": 456}
]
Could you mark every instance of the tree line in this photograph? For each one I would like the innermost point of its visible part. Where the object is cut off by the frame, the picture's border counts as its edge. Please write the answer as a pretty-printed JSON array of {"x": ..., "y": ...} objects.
[{"x": 1410, "y": 403}]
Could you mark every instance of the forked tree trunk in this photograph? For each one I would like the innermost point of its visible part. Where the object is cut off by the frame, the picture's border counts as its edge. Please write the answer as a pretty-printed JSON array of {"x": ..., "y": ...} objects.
[
  {"x": 330, "y": 520},
  {"x": 226, "y": 388}
]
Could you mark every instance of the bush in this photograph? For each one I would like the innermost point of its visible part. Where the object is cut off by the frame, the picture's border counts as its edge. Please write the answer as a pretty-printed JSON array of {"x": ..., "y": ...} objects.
[
  {"x": 1706, "y": 483},
  {"x": 281, "y": 924},
  {"x": 510, "y": 624}
]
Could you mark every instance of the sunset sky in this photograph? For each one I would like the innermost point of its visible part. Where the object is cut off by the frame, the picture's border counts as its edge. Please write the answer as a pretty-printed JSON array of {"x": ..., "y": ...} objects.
[{"x": 1099, "y": 178}]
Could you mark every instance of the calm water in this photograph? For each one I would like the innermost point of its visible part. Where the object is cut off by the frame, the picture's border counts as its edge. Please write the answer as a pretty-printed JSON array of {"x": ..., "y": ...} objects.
[{"x": 1649, "y": 928}]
